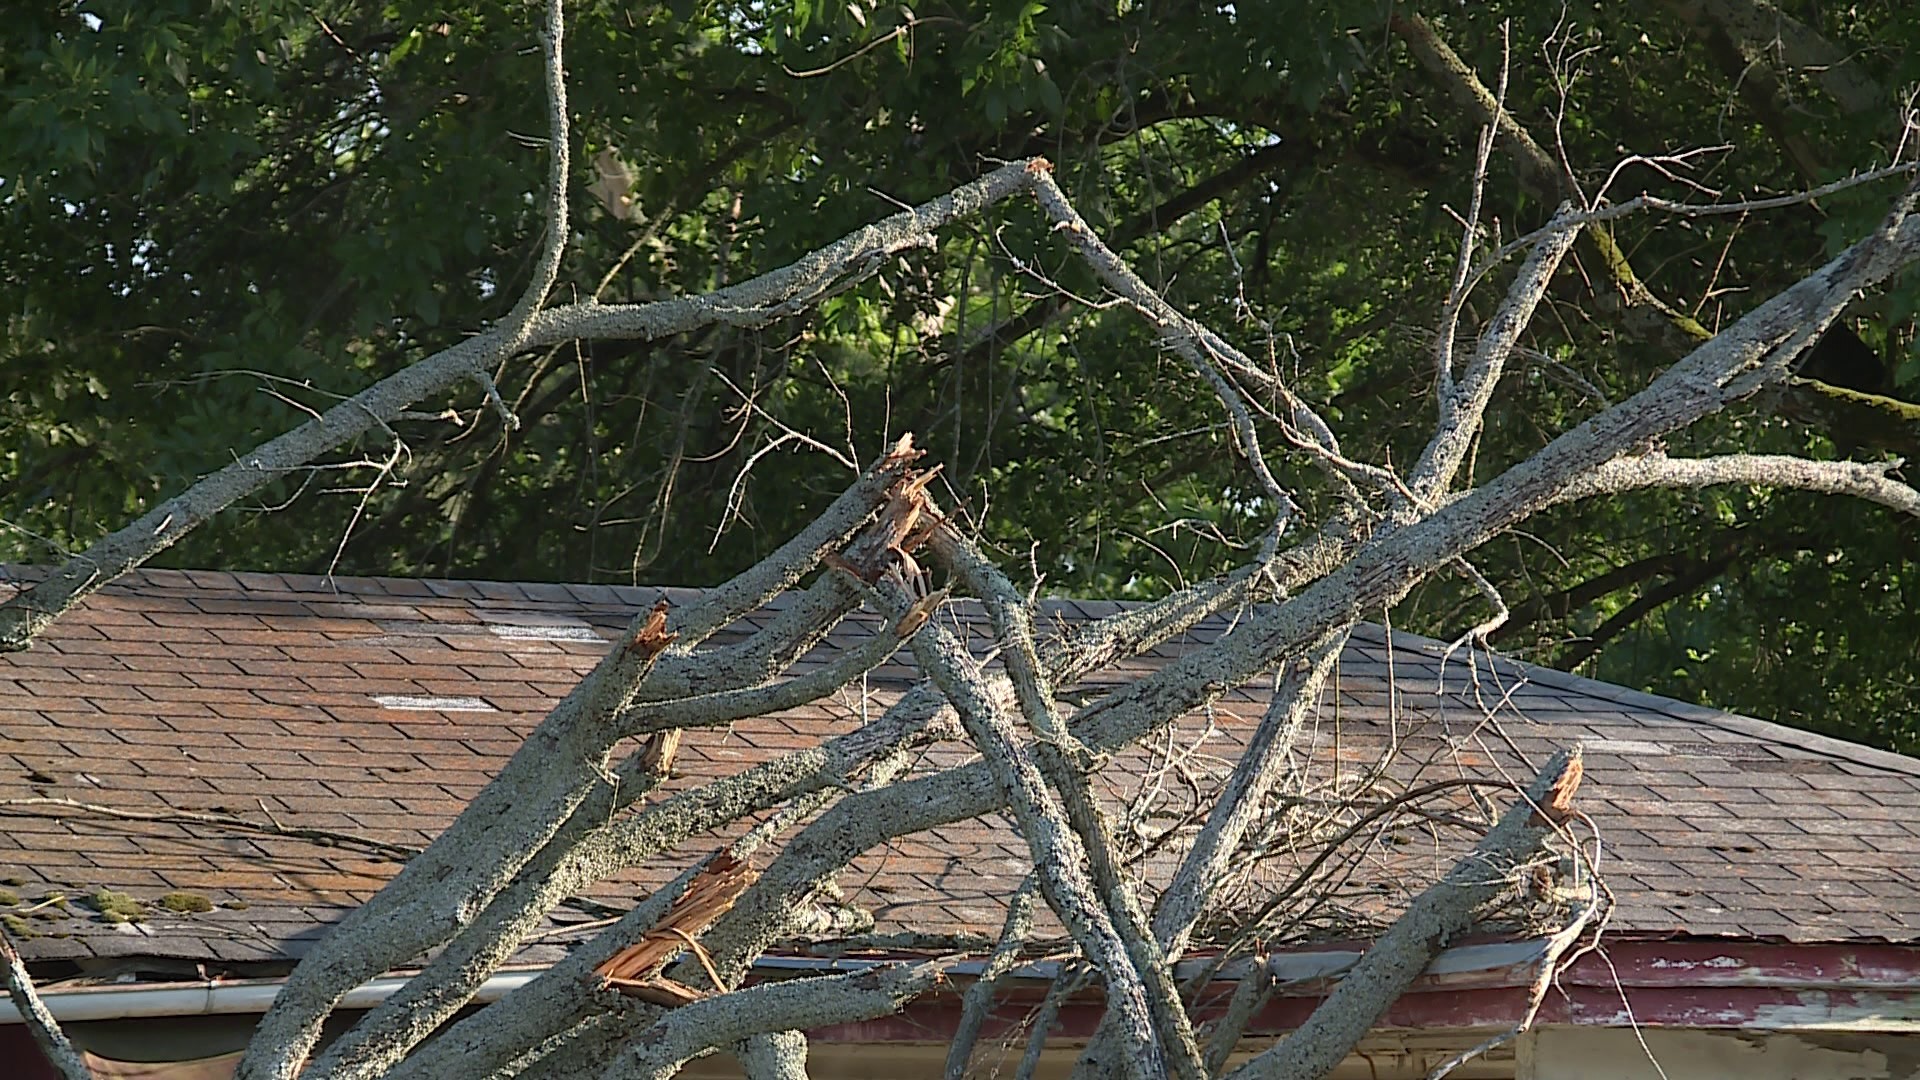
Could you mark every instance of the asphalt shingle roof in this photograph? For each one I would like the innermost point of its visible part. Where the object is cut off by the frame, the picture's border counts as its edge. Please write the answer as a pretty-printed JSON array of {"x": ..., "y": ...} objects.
[{"x": 376, "y": 707}]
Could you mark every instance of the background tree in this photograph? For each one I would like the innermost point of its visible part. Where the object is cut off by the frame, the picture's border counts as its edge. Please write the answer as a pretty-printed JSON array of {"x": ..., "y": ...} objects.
[
  {"x": 1325, "y": 534},
  {"x": 218, "y": 216}
]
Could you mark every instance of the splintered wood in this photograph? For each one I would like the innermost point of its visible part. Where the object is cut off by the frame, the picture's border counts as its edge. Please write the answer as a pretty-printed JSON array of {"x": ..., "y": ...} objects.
[
  {"x": 634, "y": 970},
  {"x": 657, "y": 758},
  {"x": 1559, "y": 801},
  {"x": 652, "y": 638}
]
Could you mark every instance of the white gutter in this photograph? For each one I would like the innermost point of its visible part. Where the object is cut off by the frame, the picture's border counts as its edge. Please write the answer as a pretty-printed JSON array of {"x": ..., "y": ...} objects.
[
  {"x": 216, "y": 997},
  {"x": 233, "y": 996}
]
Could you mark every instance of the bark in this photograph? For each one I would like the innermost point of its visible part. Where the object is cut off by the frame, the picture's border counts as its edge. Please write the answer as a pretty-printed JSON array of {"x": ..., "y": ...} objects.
[
  {"x": 1066, "y": 764},
  {"x": 1463, "y": 402},
  {"x": 1868, "y": 481},
  {"x": 1238, "y": 804},
  {"x": 778, "y": 1056},
  {"x": 1059, "y": 856},
  {"x": 537, "y": 792}
]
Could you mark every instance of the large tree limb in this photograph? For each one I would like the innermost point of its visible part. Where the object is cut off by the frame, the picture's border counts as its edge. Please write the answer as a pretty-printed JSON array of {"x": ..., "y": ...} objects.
[
  {"x": 754, "y": 302},
  {"x": 1059, "y": 856},
  {"x": 1717, "y": 374},
  {"x": 537, "y": 792},
  {"x": 587, "y": 848},
  {"x": 1066, "y": 764},
  {"x": 578, "y": 853},
  {"x": 1763, "y": 34},
  {"x": 553, "y": 246},
  {"x": 1377, "y": 576},
  {"x": 794, "y": 1004},
  {"x": 764, "y": 913},
  {"x": 548, "y": 1005},
  {"x": 39, "y": 1019},
  {"x": 1445, "y": 909}
]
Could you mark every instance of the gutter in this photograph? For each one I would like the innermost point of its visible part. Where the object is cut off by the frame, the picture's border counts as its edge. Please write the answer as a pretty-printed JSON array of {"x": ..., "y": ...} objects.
[
  {"x": 215, "y": 997},
  {"x": 227, "y": 997}
]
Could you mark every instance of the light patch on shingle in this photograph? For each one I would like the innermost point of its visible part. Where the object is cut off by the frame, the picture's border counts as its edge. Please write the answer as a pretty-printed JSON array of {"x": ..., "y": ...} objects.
[
  {"x": 413, "y": 628},
  {"x": 1628, "y": 746},
  {"x": 544, "y": 633},
  {"x": 417, "y": 703}
]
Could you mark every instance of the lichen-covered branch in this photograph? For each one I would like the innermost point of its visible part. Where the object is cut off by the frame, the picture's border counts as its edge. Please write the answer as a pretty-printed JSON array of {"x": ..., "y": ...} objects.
[
  {"x": 1464, "y": 401},
  {"x": 39, "y": 1019},
  {"x": 513, "y": 819},
  {"x": 1065, "y": 764},
  {"x": 1059, "y": 856},
  {"x": 1862, "y": 480},
  {"x": 658, "y": 1052},
  {"x": 1443, "y": 910},
  {"x": 977, "y": 1003}
]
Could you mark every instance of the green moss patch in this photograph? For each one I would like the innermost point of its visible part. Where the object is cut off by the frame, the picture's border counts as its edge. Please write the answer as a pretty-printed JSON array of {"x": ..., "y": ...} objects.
[
  {"x": 116, "y": 907},
  {"x": 18, "y": 927},
  {"x": 8, "y": 898},
  {"x": 185, "y": 902}
]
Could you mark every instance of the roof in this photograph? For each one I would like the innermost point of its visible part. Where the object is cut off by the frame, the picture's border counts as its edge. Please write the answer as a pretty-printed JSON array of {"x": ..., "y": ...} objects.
[{"x": 373, "y": 708}]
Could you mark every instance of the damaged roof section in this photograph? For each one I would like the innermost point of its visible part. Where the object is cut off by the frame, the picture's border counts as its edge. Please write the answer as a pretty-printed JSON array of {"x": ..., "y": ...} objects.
[{"x": 266, "y": 748}]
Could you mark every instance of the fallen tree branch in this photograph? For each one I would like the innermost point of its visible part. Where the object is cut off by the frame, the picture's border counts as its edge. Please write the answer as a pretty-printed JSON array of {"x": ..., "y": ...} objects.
[
  {"x": 1059, "y": 856},
  {"x": 1065, "y": 763},
  {"x": 977, "y": 1002},
  {"x": 537, "y": 796},
  {"x": 47, "y": 807},
  {"x": 39, "y": 1019},
  {"x": 1445, "y": 909},
  {"x": 658, "y": 1052}
]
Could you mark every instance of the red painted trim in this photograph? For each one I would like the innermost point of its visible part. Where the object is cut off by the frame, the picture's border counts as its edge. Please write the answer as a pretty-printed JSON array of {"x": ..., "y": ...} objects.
[{"x": 1695, "y": 984}]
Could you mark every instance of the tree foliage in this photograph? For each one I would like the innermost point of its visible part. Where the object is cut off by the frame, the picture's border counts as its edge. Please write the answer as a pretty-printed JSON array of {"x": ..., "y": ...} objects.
[{"x": 215, "y": 216}]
